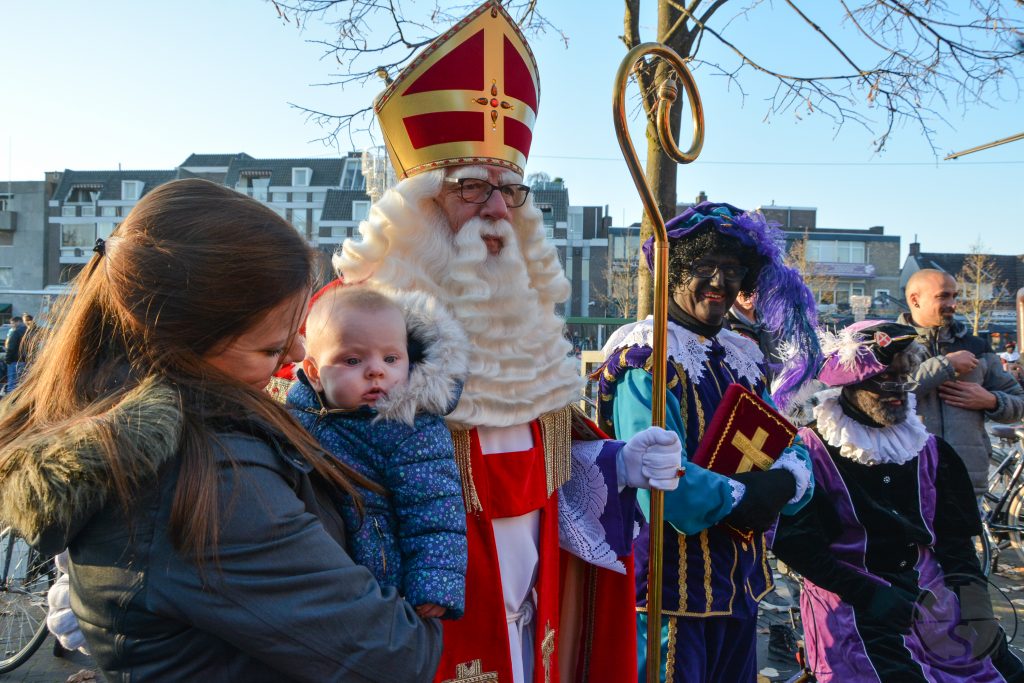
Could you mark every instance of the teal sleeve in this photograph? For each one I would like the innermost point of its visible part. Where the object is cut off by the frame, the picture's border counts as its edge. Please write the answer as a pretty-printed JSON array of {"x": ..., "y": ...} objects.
[
  {"x": 800, "y": 450},
  {"x": 703, "y": 497}
]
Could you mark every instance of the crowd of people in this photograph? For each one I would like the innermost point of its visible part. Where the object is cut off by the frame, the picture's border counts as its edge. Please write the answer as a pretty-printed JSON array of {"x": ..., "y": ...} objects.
[
  {"x": 18, "y": 344},
  {"x": 424, "y": 501}
]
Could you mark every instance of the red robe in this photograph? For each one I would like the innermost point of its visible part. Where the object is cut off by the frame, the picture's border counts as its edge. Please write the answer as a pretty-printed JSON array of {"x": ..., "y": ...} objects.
[{"x": 570, "y": 644}]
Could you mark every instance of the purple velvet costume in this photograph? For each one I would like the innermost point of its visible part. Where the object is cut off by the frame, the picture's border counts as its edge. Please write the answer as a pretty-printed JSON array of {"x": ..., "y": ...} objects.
[{"x": 843, "y": 643}]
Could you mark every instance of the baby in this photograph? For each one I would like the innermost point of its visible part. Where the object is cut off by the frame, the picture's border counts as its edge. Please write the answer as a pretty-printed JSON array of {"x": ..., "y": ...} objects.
[{"x": 378, "y": 374}]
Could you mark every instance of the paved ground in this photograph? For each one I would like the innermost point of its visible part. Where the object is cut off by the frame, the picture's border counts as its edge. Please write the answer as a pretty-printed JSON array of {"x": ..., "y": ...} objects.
[
  {"x": 45, "y": 668},
  {"x": 1007, "y": 591}
]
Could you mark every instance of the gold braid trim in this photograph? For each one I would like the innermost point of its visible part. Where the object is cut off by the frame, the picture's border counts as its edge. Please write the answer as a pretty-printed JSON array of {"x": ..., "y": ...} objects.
[
  {"x": 278, "y": 388},
  {"x": 462, "y": 458},
  {"x": 556, "y": 433}
]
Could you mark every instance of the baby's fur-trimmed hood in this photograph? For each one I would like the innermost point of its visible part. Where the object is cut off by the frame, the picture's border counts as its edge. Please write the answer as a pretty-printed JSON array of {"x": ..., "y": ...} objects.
[
  {"x": 439, "y": 362},
  {"x": 52, "y": 482}
]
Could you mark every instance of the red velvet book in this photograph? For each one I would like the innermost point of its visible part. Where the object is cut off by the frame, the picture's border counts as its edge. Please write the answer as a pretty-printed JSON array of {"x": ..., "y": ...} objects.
[{"x": 745, "y": 434}]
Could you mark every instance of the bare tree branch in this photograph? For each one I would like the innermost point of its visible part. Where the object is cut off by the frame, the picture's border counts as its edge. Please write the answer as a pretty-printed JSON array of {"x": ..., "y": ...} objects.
[{"x": 377, "y": 39}]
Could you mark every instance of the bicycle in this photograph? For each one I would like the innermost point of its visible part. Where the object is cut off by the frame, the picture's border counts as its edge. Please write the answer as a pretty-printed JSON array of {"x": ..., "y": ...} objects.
[
  {"x": 25, "y": 578},
  {"x": 1002, "y": 505},
  {"x": 795, "y": 584}
]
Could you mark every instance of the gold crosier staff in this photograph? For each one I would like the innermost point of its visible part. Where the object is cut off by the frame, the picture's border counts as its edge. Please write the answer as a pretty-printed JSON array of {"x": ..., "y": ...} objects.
[{"x": 667, "y": 94}]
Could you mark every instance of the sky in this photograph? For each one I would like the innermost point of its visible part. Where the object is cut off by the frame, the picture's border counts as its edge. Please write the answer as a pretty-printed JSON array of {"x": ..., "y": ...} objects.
[{"x": 142, "y": 85}]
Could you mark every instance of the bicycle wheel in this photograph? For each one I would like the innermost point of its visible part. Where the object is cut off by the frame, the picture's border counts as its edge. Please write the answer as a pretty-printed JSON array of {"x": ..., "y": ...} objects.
[
  {"x": 25, "y": 577},
  {"x": 1015, "y": 523},
  {"x": 983, "y": 547}
]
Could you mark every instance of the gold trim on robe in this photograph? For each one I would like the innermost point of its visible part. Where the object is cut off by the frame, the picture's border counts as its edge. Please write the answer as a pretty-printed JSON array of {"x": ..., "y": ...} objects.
[{"x": 556, "y": 433}]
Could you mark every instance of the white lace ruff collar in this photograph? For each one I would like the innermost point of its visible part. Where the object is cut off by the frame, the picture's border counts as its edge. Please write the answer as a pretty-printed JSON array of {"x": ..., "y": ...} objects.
[
  {"x": 897, "y": 444},
  {"x": 690, "y": 350}
]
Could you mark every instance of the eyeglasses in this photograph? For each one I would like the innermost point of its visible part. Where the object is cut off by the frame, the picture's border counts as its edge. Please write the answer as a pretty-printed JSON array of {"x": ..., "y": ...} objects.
[
  {"x": 706, "y": 271},
  {"x": 476, "y": 191},
  {"x": 903, "y": 384}
]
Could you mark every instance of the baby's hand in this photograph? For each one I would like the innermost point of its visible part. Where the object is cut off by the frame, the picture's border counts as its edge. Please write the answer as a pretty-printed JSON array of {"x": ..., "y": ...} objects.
[{"x": 430, "y": 610}]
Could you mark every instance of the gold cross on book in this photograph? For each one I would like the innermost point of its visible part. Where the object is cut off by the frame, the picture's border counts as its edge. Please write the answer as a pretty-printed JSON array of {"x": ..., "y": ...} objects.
[
  {"x": 472, "y": 672},
  {"x": 751, "y": 450}
]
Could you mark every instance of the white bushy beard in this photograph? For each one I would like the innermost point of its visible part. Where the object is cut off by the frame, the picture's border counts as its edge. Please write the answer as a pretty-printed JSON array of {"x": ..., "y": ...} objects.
[{"x": 520, "y": 363}]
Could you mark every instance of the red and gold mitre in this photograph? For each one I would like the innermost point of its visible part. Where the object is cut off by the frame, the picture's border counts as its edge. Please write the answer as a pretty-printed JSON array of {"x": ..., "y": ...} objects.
[{"x": 469, "y": 98}]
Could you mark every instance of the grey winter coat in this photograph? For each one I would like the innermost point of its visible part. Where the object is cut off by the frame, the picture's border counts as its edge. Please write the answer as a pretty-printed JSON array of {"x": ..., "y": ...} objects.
[
  {"x": 963, "y": 429},
  {"x": 282, "y": 600}
]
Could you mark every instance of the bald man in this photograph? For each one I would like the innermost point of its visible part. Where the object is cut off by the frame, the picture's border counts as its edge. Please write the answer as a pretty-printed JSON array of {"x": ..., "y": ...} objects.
[{"x": 963, "y": 382}]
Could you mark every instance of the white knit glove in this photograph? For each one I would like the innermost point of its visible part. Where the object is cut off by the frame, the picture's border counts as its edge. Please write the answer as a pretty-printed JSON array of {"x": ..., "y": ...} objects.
[
  {"x": 61, "y": 621},
  {"x": 651, "y": 460},
  {"x": 792, "y": 463}
]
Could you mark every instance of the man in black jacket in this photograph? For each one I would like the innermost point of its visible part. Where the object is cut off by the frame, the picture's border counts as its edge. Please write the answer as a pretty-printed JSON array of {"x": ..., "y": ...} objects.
[{"x": 12, "y": 352}]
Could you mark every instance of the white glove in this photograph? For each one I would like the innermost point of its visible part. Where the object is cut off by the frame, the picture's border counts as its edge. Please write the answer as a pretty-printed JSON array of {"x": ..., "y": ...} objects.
[
  {"x": 60, "y": 620},
  {"x": 651, "y": 460},
  {"x": 792, "y": 463}
]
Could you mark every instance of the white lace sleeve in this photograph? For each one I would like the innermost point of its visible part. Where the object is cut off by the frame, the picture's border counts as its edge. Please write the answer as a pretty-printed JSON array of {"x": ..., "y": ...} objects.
[
  {"x": 790, "y": 462},
  {"x": 738, "y": 489},
  {"x": 581, "y": 501}
]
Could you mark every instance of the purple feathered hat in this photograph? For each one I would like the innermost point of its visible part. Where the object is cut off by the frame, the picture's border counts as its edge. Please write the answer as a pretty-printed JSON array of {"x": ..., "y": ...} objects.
[
  {"x": 784, "y": 301},
  {"x": 862, "y": 350}
]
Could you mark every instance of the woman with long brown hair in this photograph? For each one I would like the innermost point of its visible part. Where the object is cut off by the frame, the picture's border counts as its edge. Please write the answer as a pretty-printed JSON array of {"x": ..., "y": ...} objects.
[{"x": 199, "y": 515}]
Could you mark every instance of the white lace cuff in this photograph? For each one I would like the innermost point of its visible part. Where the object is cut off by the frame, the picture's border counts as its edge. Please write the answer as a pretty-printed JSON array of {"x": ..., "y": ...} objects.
[
  {"x": 792, "y": 463},
  {"x": 581, "y": 501},
  {"x": 738, "y": 489}
]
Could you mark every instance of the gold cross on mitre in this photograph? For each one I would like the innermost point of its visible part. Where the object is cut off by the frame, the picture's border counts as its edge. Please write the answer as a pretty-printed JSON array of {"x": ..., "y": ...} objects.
[
  {"x": 470, "y": 97},
  {"x": 751, "y": 450},
  {"x": 472, "y": 672}
]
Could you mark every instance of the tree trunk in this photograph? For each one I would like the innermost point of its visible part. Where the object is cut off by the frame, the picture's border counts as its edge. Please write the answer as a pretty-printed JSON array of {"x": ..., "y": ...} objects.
[{"x": 661, "y": 171}]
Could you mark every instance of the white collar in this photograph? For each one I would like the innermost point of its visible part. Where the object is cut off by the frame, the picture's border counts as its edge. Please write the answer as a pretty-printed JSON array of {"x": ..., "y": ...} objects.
[
  {"x": 690, "y": 350},
  {"x": 897, "y": 444}
]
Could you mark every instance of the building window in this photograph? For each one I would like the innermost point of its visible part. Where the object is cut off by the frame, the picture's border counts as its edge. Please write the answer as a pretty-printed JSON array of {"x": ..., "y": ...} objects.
[
  {"x": 78, "y": 235},
  {"x": 108, "y": 210},
  {"x": 879, "y": 293},
  {"x": 279, "y": 197},
  {"x": 131, "y": 190},
  {"x": 360, "y": 211},
  {"x": 83, "y": 195},
  {"x": 850, "y": 252},
  {"x": 352, "y": 175},
  {"x": 6, "y": 278},
  {"x": 822, "y": 251},
  {"x": 300, "y": 196},
  {"x": 256, "y": 186},
  {"x": 319, "y": 197},
  {"x": 68, "y": 210},
  {"x": 89, "y": 210},
  {"x": 301, "y": 177},
  {"x": 104, "y": 228},
  {"x": 575, "y": 222},
  {"x": 5, "y": 202},
  {"x": 548, "y": 214},
  {"x": 299, "y": 220}
]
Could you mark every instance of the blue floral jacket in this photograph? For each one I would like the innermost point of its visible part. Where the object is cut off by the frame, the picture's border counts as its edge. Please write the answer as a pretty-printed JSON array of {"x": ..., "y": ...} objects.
[{"x": 413, "y": 536}]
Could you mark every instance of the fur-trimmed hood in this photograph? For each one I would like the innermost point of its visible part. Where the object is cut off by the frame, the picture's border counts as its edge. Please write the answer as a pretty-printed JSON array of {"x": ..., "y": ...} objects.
[
  {"x": 439, "y": 363},
  {"x": 51, "y": 483}
]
